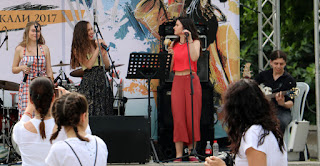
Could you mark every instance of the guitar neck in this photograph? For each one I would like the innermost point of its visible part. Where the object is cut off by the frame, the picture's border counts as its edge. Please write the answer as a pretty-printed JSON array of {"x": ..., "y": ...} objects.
[{"x": 273, "y": 95}]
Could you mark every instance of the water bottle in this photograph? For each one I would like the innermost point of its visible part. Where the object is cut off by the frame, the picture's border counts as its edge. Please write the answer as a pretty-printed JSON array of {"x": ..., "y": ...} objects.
[
  {"x": 208, "y": 151},
  {"x": 215, "y": 148}
]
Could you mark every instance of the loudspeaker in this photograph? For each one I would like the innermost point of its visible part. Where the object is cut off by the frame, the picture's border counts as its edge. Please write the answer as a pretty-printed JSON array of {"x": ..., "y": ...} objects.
[
  {"x": 165, "y": 121},
  {"x": 202, "y": 69},
  {"x": 127, "y": 137}
]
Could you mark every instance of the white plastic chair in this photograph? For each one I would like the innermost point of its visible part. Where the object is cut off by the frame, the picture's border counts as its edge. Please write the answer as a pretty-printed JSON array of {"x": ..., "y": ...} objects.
[{"x": 297, "y": 112}]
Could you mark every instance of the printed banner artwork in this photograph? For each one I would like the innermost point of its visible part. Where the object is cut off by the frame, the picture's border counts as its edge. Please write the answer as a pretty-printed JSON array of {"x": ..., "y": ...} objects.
[
  {"x": 126, "y": 26},
  {"x": 17, "y": 19}
]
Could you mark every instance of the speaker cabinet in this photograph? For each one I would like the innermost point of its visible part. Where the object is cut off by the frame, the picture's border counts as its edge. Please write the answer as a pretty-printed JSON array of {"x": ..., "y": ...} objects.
[
  {"x": 127, "y": 137},
  {"x": 165, "y": 121}
]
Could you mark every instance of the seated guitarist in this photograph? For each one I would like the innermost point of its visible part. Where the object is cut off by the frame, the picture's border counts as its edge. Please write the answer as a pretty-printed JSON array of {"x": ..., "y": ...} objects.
[{"x": 279, "y": 80}]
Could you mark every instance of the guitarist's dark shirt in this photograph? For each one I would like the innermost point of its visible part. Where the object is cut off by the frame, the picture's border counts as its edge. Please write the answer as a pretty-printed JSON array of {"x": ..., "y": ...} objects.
[{"x": 283, "y": 83}]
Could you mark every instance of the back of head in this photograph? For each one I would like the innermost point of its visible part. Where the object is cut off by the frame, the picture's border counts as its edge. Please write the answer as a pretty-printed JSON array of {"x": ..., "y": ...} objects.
[
  {"x": 41, "y": 92},
  {"x": 245, "y": 100},
  {"x": 278, "y": 54},
  {"x": 66, "y": 111},
  {"x": 245, "y": 105}
]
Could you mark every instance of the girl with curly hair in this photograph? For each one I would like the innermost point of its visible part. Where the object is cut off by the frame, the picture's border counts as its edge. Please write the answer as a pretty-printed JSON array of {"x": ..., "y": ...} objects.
[
  {"x": 253, "y": 128},
  {"x": 94, "y": 85}
]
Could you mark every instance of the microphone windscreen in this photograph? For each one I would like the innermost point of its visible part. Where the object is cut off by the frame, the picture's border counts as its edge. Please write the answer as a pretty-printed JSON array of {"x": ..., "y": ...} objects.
[{"x": 29, "y": 64}]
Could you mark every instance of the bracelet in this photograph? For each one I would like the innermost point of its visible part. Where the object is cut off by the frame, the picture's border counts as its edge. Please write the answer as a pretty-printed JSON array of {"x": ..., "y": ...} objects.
[{"x": 28, "y": 114}]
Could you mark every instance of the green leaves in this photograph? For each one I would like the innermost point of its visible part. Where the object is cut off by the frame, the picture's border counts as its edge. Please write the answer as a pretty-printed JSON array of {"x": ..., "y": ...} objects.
[{"x": 296, "y": 23}]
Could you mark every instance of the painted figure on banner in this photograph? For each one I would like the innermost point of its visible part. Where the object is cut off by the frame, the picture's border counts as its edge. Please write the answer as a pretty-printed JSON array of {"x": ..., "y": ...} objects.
[
  {"x": 279, "y": 81},
  {"x": 94, "y": 84},
  {"x": 28, "y": 63},
  {"x": 187, "y": 43}
]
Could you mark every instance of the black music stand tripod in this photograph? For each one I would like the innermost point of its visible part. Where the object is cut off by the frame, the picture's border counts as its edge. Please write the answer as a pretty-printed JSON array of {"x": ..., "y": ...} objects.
[{"x": 148, "y": 66}]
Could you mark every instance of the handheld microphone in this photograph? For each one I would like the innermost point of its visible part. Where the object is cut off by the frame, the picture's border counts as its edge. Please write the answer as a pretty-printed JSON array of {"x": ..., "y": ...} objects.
[
  {"x": 105, "y": 47},
  {"x": 26, "y": 75},
  {"x": 6, "y": 37}
]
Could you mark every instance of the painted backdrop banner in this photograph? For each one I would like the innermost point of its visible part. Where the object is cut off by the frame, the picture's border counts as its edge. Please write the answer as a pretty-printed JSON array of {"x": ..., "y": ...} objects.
[{"x": 126, "y": 26}]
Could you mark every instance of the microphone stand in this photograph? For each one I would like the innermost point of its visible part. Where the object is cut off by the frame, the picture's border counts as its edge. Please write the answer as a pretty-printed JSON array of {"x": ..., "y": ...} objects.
[
  {"x": 36, "y": 26},
  {"x": 193, "y": 150},
  {"x": 100, "y": 53},
  {"x": 112, "y": 66},
  {"x": 5, "y": 39}
]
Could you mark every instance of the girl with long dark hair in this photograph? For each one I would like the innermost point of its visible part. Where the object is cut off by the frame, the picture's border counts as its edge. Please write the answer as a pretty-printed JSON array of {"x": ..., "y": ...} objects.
[
  {"x": 94, "y": 85},
  {"x": 186, "y": 31},
  {"x": 253, "y": 128},
  {"x": 32, "y": 135}
]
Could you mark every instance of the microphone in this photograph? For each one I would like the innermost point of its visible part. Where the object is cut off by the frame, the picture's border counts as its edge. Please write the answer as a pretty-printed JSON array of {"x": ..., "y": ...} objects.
[
  {"x": 26, "y": 75},
  {"x": 6, "y": 38},
  {"x": 186, "y": 33},
  {"x": 105, "y": 47},
  {"x": 36, "y": 26}
]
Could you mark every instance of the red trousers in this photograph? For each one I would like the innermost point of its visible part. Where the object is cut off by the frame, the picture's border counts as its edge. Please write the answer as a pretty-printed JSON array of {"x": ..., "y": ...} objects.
[{"x": 181, "y": 108}]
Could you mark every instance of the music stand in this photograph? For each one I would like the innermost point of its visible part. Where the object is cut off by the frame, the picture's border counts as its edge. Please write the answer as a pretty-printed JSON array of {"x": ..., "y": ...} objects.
[{"x": 149, "y": 66}]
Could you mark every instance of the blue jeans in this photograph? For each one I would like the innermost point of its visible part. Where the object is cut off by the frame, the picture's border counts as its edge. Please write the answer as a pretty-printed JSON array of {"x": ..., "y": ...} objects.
[{"x": 285, "y": 118}]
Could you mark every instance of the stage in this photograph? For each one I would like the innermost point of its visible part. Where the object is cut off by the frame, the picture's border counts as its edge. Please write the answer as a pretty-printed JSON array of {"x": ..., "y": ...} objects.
[{"x": 296, "y": 163}]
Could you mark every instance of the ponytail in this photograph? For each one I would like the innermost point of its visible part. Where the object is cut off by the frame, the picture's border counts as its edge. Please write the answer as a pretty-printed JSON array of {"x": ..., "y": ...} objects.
[
  {"x": 79, "y": 136},
  {"x": 55, "y": 134},
  {"x": 41, "y": 94}
]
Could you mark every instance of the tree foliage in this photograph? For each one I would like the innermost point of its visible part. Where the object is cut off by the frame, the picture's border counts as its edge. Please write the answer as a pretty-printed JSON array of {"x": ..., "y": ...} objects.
[{"x": 296, "y": 24}]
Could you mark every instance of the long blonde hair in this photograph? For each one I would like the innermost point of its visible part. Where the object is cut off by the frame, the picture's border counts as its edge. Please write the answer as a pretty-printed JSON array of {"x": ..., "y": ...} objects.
[{"x": 25, "y": 39}]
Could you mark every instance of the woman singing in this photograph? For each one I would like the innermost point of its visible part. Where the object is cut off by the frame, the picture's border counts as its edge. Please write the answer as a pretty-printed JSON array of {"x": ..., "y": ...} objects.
[
  {"x": 94, "y": 83},
  {"x": 26, "y": 61},
  {"x": 180, "y": 95}
]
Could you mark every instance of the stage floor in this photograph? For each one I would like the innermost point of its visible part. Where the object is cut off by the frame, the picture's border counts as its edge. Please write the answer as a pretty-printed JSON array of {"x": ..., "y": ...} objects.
[{"x": 291, "y": 163}]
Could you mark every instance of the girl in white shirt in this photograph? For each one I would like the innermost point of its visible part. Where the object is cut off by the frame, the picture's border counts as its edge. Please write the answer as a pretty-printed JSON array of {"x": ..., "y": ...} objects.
[
  {"x": 32, "y": 134},
  {"x": 253, "y": 128},
  {"x": 71, "y": 112}
]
